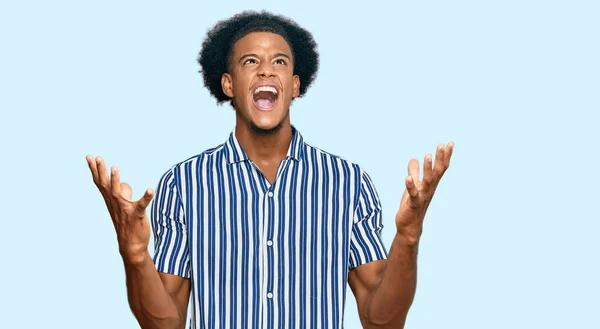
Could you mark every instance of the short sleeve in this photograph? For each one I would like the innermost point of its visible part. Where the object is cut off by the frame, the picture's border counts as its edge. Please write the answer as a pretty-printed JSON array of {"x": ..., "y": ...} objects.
[
  {"x": 171, "y": 250},
  {"x": 366, "y": 244}
]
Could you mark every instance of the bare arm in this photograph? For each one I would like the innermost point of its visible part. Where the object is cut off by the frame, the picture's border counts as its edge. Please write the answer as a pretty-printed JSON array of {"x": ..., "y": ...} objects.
[
  {"x": 363, "y": 281},
  {"x": 385, "y": 290},
  {"x": 158, "y": 300}
]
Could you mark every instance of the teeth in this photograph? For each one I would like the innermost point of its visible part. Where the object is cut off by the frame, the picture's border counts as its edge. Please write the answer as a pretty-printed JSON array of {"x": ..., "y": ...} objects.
[{"x": 266, "y": 88}]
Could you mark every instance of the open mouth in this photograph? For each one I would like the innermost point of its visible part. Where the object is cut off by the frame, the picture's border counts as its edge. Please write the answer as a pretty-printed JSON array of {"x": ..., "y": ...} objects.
[{"x": 265, "y": 97}]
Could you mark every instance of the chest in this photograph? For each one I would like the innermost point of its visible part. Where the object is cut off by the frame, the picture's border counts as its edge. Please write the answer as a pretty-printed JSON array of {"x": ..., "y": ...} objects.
[
  {"x": 271, "y": 245},
  {"x": 304, "y": 213}
]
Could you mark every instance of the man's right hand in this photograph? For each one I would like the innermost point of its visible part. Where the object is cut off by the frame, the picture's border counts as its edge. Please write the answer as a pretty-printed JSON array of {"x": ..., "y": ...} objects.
[{"x": 128, "y": 217}]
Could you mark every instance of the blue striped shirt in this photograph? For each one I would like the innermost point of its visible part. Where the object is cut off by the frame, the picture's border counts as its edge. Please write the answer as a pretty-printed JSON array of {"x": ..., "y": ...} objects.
[{"x": 261, "y": 255}]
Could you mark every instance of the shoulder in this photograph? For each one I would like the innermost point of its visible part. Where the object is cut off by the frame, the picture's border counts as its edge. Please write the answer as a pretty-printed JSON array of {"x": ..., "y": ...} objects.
[
  {"x": 209, "y": 153},
  {"x": 177, "y": 171},
  {"x": 355, "y": 177},
  {"x": 316, "y": 152}
]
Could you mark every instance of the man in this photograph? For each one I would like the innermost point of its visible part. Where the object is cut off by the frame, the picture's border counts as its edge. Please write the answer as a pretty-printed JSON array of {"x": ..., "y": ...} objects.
[{"x": 264, "y": 230}]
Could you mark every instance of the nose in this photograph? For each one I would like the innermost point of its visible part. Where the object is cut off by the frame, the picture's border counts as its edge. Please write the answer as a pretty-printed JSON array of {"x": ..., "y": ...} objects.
[{"x": 266, "y": 70}]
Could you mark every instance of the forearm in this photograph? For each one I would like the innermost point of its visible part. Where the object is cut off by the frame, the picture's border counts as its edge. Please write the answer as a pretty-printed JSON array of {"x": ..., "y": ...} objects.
[
  {"x": 150, "y": 302},
  {"x": 393, "y": 297}
]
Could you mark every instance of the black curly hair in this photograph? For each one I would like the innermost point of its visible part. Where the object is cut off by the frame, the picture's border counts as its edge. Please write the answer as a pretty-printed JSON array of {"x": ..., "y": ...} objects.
[{"x": 217, "y": 48}]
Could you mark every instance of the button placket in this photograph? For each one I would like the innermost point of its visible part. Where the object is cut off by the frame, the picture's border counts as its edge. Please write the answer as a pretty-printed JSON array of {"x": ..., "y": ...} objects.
[{"x": 269, "y": 205}]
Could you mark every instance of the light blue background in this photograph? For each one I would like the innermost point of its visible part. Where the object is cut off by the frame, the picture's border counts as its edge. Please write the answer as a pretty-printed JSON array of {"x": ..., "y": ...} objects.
[{"x": 510, "y": 241}]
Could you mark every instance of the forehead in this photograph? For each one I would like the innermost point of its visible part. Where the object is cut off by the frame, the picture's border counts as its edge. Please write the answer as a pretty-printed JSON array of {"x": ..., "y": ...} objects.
[{"x": 261, "y": 42}]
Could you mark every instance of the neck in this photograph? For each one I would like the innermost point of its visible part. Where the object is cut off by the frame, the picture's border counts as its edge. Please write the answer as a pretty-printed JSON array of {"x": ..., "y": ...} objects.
[{"x": 264, "y": 146}]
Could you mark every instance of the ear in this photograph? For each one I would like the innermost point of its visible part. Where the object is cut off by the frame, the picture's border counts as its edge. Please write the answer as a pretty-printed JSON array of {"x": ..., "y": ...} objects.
[
  {"x": 227, "y": 84},
  {"x": 296, "y": 83}
]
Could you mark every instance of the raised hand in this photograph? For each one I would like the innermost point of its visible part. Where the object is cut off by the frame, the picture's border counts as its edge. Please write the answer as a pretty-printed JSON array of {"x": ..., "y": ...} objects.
[
  {"x": 418, "y": 193},
  {"x": 128, "y": 216}
]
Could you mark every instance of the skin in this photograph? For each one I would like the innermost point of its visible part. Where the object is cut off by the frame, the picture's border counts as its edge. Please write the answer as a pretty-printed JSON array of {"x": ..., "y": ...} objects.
[
  {"x": 262, "y": 57},
  {"x": 384, "y": 289},
  {"x": 158, "y": 300}
]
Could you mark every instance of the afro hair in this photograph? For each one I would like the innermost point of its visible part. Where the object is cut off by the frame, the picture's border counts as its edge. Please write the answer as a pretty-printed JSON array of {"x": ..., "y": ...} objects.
[{"x": 217, "y": 48}]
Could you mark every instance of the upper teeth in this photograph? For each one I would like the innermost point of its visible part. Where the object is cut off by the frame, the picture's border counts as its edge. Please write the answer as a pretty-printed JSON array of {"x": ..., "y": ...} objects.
[{"x": 266, "y": 88}]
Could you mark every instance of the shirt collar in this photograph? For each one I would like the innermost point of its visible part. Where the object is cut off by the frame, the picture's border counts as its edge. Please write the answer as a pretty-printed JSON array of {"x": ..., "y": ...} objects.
[{"x": 235, "y": 153}]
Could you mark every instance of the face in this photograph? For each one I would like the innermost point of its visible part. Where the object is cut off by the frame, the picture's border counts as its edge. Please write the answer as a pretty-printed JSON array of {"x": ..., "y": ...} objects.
[{"x": 261, "y": 80}]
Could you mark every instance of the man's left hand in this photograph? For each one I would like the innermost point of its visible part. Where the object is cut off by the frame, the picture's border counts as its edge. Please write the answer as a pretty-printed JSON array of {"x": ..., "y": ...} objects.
[{"x": 418, "y": 193}]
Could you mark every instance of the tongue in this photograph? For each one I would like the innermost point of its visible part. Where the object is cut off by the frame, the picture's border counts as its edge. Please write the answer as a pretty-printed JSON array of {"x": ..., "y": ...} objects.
[{"x": 264, "y": 103}]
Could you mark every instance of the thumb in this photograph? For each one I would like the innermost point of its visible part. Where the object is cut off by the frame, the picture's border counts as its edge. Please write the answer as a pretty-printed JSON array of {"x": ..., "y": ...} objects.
[
  {"x": 413, "y": 171},
  {"x": 145, "y": 200}
]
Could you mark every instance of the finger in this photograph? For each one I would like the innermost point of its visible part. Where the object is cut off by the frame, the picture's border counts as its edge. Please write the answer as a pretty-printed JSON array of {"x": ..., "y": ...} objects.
[
  {"x": 115, "y": 184},
  {"x": 412, "y": 189},
  {"x": 92, "y": 164},
  {"x": 413, "y": 171},
  {"x": 448, "y": 154},
  {"x": 439, "y": 161},
  {"x": 144, "y": 201},
  {"x": 427, "y": 173},
  {"x": 102, "y": 173},
  {"x": 126, "y": 191}
]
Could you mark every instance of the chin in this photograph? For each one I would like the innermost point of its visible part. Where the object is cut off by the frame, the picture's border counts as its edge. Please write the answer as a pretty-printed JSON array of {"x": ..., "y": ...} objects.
[
  {"x": 266, "y": 128},
  {"x": 268, "y": 124},
  {"x": 264, "y": 121}
]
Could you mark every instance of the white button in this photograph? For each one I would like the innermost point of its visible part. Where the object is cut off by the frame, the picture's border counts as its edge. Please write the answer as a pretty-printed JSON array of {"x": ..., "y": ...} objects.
[
  {"x": 269, "y": 243},
  {"x": 269, "y": 295},
  {"x": 271, "y": 194}
]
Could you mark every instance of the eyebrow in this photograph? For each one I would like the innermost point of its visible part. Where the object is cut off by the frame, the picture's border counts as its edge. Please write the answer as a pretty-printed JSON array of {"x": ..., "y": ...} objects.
[{"x": 255, "y": 55}]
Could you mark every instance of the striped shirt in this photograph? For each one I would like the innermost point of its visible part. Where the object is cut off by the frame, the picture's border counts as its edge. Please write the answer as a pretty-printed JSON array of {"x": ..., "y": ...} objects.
[{"x": 261, "y": 255}]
